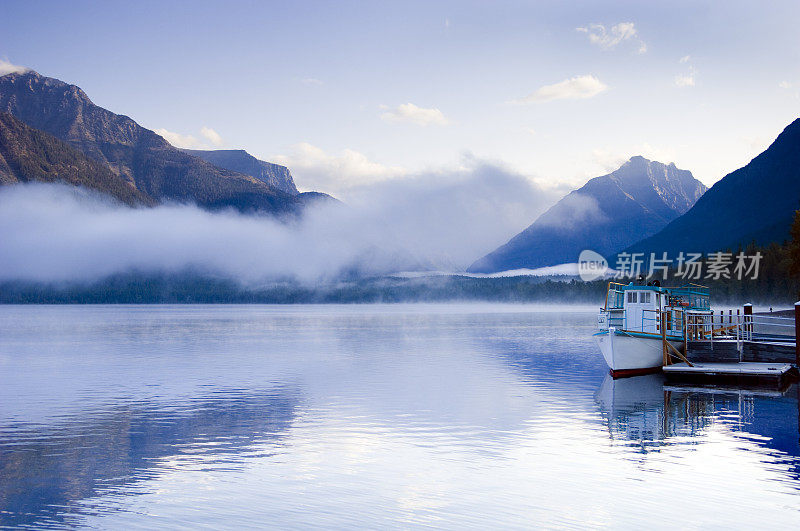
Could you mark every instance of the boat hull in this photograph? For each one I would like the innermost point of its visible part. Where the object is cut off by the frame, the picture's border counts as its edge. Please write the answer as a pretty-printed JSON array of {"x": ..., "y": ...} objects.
[{"x": 628, "y": 355}]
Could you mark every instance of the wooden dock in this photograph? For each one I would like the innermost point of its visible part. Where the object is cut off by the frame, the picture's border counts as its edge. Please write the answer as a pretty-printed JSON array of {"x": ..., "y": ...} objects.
[
  {"x": 730, "y": 351},
  {"x": 731, "y": 372},
  {"x": 752, "y": 349}
]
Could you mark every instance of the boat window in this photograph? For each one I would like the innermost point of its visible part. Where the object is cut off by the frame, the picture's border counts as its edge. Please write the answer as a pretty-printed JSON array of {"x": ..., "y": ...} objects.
[
  {"x": 631, "y": 296},
  {"x": 644, "y": 297}
]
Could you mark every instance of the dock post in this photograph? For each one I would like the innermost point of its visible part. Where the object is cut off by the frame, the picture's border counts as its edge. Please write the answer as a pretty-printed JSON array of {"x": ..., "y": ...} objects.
[
  {"x": 739, "y": 330},
  {"x": 797, "y": 333},
  {"x": 748, "y": 319},
  {"x": 685, "y": 334},
  {"x": 739, "y": 348}
]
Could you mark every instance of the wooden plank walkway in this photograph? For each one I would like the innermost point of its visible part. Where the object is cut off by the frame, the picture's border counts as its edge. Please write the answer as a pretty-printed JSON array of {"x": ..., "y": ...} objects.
[
  {"x": 736, "y": 371},
  {"x": 725, "y": 350}
]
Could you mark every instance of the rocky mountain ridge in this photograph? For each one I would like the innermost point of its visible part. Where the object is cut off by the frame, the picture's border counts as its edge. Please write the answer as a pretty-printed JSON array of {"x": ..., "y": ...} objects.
[
  {"x": 241, "y": 161},
  {"x": 30, "y": 155},
  {"x": 139, "y": 156},
  {"x": 606, "y": 215},
  {"x": 755, "y": 203}
]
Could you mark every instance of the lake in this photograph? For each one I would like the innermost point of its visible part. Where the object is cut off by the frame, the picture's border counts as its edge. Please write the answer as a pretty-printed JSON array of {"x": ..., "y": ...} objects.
[{"x": 399, "y": 416}]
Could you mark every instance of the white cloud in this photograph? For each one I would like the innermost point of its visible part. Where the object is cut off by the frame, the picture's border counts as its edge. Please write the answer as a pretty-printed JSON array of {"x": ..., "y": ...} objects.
[
  {"x": 6, "y": 67},
  {"x": 178, "y": 140},
  {"x": 211, "y": 135},
  {"x": 410, "y": 113},
  {"x": 395, "y": 225},
  {"x": 311, "y": 81},
  {"x": 685, "y": 80},
  {"x": 611, "y": 159},
  {"x": 608, "y": 39},
  {"x": 576, "y": 210},
  {"x": 578, "y": 87},
  {"x": 191, "y": 142},
  {"x": 608, "y": 160},
  {"x": 314, "y": 169},
  {"x": 785, "y": 85},
  {"x": 430, "y": 212},
  {"x": 427, "y": 212}
]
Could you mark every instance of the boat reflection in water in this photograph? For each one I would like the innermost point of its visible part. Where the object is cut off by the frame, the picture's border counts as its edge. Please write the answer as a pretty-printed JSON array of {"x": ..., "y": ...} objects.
[{"x": 643, "y": 411}]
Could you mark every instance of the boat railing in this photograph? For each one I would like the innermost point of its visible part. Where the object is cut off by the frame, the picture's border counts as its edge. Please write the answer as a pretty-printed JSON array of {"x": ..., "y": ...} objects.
[
  {"x": 672, "y": 319},
  {"x": 650, "y": 323},
  {"x": 772, "y": 328},
  {"x": 691, "y": 296},
  {"x": 617, "y": 321},
  {"x": 614, "y": 296},
  {"x": 650, "y": 318},
  {"x": 741, "y": 327}
]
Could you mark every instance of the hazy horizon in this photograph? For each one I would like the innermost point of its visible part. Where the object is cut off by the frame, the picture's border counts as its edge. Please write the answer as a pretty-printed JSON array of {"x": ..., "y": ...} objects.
[{"x": 57, "y": 232}]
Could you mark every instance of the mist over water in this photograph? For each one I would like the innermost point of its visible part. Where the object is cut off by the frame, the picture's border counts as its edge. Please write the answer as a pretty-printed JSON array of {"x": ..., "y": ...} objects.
[
  {"x": 352, "y": 416},
  {"x": 442, "y": 222}
]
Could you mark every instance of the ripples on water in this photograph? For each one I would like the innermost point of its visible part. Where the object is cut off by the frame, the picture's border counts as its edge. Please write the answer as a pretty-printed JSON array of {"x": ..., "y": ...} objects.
[{"x": 369, "y": 416}]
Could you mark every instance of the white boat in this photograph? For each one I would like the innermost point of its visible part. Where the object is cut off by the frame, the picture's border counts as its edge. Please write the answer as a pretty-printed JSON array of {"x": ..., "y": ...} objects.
[{"x": 638, "y": 324}]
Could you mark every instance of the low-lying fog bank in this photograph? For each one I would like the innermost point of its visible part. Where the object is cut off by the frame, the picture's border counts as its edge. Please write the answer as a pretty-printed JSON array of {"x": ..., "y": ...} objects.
[
  {"x": 196, "y": 287},
  {"x": 443, "y": 221},
  {"x": 65, "y": 245},
  {"x": 192, "y": 286}
]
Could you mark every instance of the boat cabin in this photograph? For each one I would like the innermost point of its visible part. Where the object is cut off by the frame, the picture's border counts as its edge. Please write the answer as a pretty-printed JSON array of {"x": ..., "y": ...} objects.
[{"x": 653, "y": 310}]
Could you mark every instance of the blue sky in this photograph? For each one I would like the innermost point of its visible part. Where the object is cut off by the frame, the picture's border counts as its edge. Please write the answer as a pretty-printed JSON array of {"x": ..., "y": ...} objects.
[{"x": 350, "y": 92}]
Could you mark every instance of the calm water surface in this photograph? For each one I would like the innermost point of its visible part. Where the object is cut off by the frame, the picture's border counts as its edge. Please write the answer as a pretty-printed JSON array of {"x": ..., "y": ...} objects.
[{"x": 369, "y": 416}]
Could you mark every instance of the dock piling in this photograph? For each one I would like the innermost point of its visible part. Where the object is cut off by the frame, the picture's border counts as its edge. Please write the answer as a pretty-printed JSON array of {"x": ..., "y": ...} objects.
[
  {"x": 748, "y": 319},
  {"x": 797, "y": 333}
]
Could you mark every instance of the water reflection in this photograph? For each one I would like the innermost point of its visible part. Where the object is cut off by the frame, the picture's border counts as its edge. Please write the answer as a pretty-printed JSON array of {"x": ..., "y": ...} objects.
[
  {"x": 45, "y": 470},
  {"x": 645, "y": 413},
  {"x": 642, "y": 412},
  {"x": 448, "y": 416}
]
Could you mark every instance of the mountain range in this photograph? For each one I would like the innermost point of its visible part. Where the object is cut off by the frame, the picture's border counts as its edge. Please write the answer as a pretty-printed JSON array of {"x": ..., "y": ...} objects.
[
  {"x": 607, "y": 214},
  {"x": 30, "y": 155},
  {"x": 152, "y": 170},
  {"x": 241, "y": 161},
  {"x": 755, "y": 203},
  {"x": 50, "y": 131}
]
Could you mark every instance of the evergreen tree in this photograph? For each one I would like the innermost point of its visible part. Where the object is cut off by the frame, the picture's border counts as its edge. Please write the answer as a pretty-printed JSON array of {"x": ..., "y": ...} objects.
[{"x": 794, "y": 245}]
